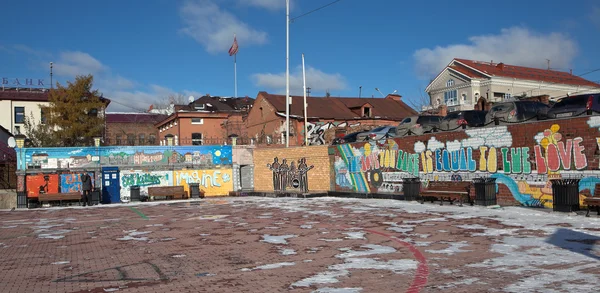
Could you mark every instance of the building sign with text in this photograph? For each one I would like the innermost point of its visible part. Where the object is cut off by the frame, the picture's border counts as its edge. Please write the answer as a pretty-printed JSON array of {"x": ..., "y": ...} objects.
[{"x": 22, "y": 82}]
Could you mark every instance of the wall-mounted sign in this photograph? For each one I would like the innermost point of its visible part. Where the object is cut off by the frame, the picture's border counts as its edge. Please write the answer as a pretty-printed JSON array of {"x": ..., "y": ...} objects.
[{"x": 22, "y": 82}]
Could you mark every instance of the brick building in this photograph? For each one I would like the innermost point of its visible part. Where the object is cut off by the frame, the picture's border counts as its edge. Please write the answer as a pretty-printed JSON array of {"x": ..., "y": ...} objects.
[
  {"x": 131, "y": 128},
  {"x": 206, "y": 120},
  {"x": 266, "y": 120}
]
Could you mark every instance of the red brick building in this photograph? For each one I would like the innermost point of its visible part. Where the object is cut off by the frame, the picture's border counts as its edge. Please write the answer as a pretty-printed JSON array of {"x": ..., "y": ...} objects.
[
  {"x": 266, "y": 119},
  {"x": 132, "y": 128},
  {"x": 207, "y": 120}
]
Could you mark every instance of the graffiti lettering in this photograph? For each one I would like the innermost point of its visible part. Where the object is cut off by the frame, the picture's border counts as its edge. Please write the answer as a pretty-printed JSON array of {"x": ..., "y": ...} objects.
[
  {"x": 557, "y": 156},
  {"x": 141, "y": 179},
  {"x": 205, "y": 179}
]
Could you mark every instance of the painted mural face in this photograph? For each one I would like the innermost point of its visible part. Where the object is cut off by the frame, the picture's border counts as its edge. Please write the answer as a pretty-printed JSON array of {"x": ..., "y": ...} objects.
[
  {"x": 91, "y": 157},
  {"x": 485, "y": 152}
]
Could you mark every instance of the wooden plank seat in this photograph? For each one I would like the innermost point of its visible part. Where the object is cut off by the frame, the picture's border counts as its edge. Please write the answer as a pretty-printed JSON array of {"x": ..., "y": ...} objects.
[
  {"x": 169, "y": 192},
  {"x": 448, "y": 191},
  {"x": 593, "y": 202},
  {"x": 60, "y": 197}
]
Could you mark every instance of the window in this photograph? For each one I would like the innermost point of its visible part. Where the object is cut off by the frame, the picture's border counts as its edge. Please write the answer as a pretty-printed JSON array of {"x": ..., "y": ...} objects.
[
  {"x": 366, "y": 112},
  {"x": 507, "y": 96},
  {"x": 406, "y": 121},
  {"x": 17, "y": 129},
  {"x": 152, "y": 139},
  {"x": 119, "y": 140},
  {"x": 197, "y": 121},
  {"x": 131, "y": 139},
  {"x": 199, "y": 106},
  {"x": 19, "y": 114},
  {"x": 196, "y": 138},
  {"x": 464, "y": 98},
  {"x": 142, "y": 139},
  {"x": 43, "y": 116},
  {"x": 450, "y": 83},
  {"x": 450, "y": 97}
]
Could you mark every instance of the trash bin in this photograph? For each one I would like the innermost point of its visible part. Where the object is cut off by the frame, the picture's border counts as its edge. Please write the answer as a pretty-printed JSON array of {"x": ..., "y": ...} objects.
[
  {"x": 411, "y": 188},
  {"x": 485, "y": 191},
  {"x": 195, "y": 190},
  {"x": 565, "y": 195},
  {"x": 134, "y": 193},
  {"x": 21, "y": 200},
  {"x": 95, "y": 196}
]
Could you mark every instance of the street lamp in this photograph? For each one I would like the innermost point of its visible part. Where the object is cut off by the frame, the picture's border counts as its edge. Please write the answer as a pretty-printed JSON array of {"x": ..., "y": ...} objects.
[
  {"x": 20, "y": 140},
  {"x": 377, "y": 89},
  {"x": 97, "y": 141}
]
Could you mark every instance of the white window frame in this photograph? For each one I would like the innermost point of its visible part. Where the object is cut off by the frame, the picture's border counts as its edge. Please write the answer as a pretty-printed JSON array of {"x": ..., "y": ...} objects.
[
  {"x": 201, "y": 139},
  {"x": 201, "y": 121}
]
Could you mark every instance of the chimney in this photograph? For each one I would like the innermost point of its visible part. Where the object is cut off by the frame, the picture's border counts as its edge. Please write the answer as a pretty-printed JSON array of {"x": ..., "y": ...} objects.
[
  {"x": 394, "y": 97},
  {"x": 208, "y": 95},
  {"x": 500, "y": 66}
]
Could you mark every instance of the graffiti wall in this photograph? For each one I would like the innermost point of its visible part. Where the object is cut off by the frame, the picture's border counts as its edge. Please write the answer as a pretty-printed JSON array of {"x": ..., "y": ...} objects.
[
  {"x": 316, "y": 130},
  {"x": 71, "y": 182},
  {"x": 143, "y": 179},
  {"x": 215, "y": 182},
  {"x": 41, "y": 183},
  {"x": 523, "y": 158},
  {"x": 92, "y": 157},
  {"x": 298, "y": 169}
]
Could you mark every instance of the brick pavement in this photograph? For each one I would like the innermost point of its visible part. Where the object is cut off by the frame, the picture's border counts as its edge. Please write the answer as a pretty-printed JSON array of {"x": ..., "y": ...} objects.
[{"x": 296, "y": 245}]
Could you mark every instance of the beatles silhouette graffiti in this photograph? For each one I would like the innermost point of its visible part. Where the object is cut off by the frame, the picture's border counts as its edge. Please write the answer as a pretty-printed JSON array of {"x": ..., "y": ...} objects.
[{"x": 285, "y": 176}]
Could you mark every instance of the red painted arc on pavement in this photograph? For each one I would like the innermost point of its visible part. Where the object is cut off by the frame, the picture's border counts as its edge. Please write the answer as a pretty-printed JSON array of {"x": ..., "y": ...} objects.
[
  {"x": 422, "y": 274},
  {"x": 422, "y": 269}
]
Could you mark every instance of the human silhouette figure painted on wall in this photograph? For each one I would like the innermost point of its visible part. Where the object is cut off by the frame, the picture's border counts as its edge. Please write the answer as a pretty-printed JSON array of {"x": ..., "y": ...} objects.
[
  {"x": 302, "y": 174},
  {"x": 275, "y": 169},
  {"x": 285, "y": 176}
]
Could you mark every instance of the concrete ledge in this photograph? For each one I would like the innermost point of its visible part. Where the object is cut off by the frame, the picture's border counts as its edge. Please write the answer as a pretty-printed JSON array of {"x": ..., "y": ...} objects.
[{"x": 8, "y": 199}]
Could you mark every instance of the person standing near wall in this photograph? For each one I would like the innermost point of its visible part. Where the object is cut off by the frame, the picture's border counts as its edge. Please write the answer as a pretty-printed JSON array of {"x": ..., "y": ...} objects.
[{"x": 86, "y": 186}]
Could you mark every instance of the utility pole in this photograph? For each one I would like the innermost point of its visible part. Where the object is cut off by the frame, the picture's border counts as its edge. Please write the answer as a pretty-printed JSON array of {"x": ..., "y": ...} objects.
[{"x": 287, "y": 73}]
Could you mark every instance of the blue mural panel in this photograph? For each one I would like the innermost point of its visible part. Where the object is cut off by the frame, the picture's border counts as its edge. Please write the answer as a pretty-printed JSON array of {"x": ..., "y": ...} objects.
[
  {"x": 71, "y": 182},
  {"x": 92, "y": 157}
]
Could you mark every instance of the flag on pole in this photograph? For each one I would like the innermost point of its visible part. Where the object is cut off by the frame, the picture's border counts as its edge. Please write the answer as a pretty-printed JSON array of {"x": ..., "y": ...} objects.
[{"x": 234, "y": 48}]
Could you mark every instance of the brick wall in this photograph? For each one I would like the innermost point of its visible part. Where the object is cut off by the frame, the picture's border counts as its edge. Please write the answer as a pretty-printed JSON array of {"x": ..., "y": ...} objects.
[
  {"x": 522, "y": 157},
  {"x": 318, "y": 177}
]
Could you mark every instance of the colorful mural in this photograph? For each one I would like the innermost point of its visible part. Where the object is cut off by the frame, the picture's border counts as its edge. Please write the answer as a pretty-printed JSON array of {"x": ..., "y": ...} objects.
[
  {"x": 41, "y": 183},
  {"x": 215, "y": 182},
  {"x": 91, "y": 157},
  {"x": 71, "y": 182},
  {"x": 142, "y": 179},
  {"x": 524, "y": 166},
  {"x": 316, "y": 130}
]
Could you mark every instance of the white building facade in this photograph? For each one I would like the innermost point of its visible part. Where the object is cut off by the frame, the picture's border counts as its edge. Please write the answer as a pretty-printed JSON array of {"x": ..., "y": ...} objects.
[
  {"x": 15, "y": 106},
  {"x": 467, "y": 85}
]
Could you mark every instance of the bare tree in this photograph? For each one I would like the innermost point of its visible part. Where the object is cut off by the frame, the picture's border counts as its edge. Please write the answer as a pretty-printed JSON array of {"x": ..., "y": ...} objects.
[{"x": 172, "y": 99}]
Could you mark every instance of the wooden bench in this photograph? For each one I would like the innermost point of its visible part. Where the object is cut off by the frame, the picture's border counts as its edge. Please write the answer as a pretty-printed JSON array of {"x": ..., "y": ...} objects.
[
  {"x": 169, "y": 192},
  {"x": 593, "y": 202},
  {"x": 449, "y": 191},
  {"x": 60, "y": 197}
]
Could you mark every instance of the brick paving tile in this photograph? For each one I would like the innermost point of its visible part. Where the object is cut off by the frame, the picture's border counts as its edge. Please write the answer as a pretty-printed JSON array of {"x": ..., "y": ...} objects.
[{"x": 295, "y": 245}]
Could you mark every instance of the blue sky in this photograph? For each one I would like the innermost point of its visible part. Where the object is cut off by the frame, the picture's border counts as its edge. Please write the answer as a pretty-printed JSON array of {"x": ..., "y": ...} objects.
[{"x": 140, "y": 51}]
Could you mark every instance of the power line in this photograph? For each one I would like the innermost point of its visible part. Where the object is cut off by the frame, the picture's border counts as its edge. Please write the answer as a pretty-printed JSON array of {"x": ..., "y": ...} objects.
[{"x": 314, "y": 10}]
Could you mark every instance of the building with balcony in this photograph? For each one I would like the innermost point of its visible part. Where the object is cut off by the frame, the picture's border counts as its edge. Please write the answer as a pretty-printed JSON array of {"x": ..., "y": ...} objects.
[{"x": 467, "y": 84}]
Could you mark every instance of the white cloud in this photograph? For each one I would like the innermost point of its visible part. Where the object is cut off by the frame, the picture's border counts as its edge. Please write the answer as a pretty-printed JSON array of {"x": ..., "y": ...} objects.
[
  {"x": 214, "y": 27},
  {"x": 316, "y": 79},
  {"x": 272, "y": 5},
  {"x": 515, "y": 45},
  {"x": 73, "y": 63},
  {"x": 595, "y": 16}
]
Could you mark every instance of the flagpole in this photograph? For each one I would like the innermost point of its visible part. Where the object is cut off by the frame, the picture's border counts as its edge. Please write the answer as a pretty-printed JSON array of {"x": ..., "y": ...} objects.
[
  {"x": 235, "y": 74},
  {"x": 287, "y": 73},
  {"x": 305, "y": 115}
]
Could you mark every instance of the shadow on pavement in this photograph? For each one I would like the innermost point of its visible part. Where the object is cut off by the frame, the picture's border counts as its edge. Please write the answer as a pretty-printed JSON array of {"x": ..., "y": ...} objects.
[{"x": 575, "y": 241}]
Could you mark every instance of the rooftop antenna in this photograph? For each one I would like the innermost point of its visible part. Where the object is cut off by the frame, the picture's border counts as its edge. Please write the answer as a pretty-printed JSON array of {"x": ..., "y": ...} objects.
[
  {"x": 548, "y": 60},
  {"x": 359, "y": 91},
  {"x": 191, "y": 99}
]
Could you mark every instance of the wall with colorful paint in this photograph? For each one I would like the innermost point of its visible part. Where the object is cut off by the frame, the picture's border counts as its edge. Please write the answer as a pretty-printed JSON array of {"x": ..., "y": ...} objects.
[
  {"x": 295, "y": 169},
  {"x": 140, "y": 165},
  {"x": 92, "y": 157},
  {"x": 214, "y": 182},
  {"x": 522, "y": 157}
]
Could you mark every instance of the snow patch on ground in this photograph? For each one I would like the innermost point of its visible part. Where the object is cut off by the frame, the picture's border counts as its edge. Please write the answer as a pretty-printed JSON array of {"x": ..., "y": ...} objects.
[
  {"x": 455, "y": 247},
  {"x": 355, "y": 235},
  {"x": 281, "y": 239},
  {"x": 270, "y": 266},
  {"x": 287, "y": 251}
]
